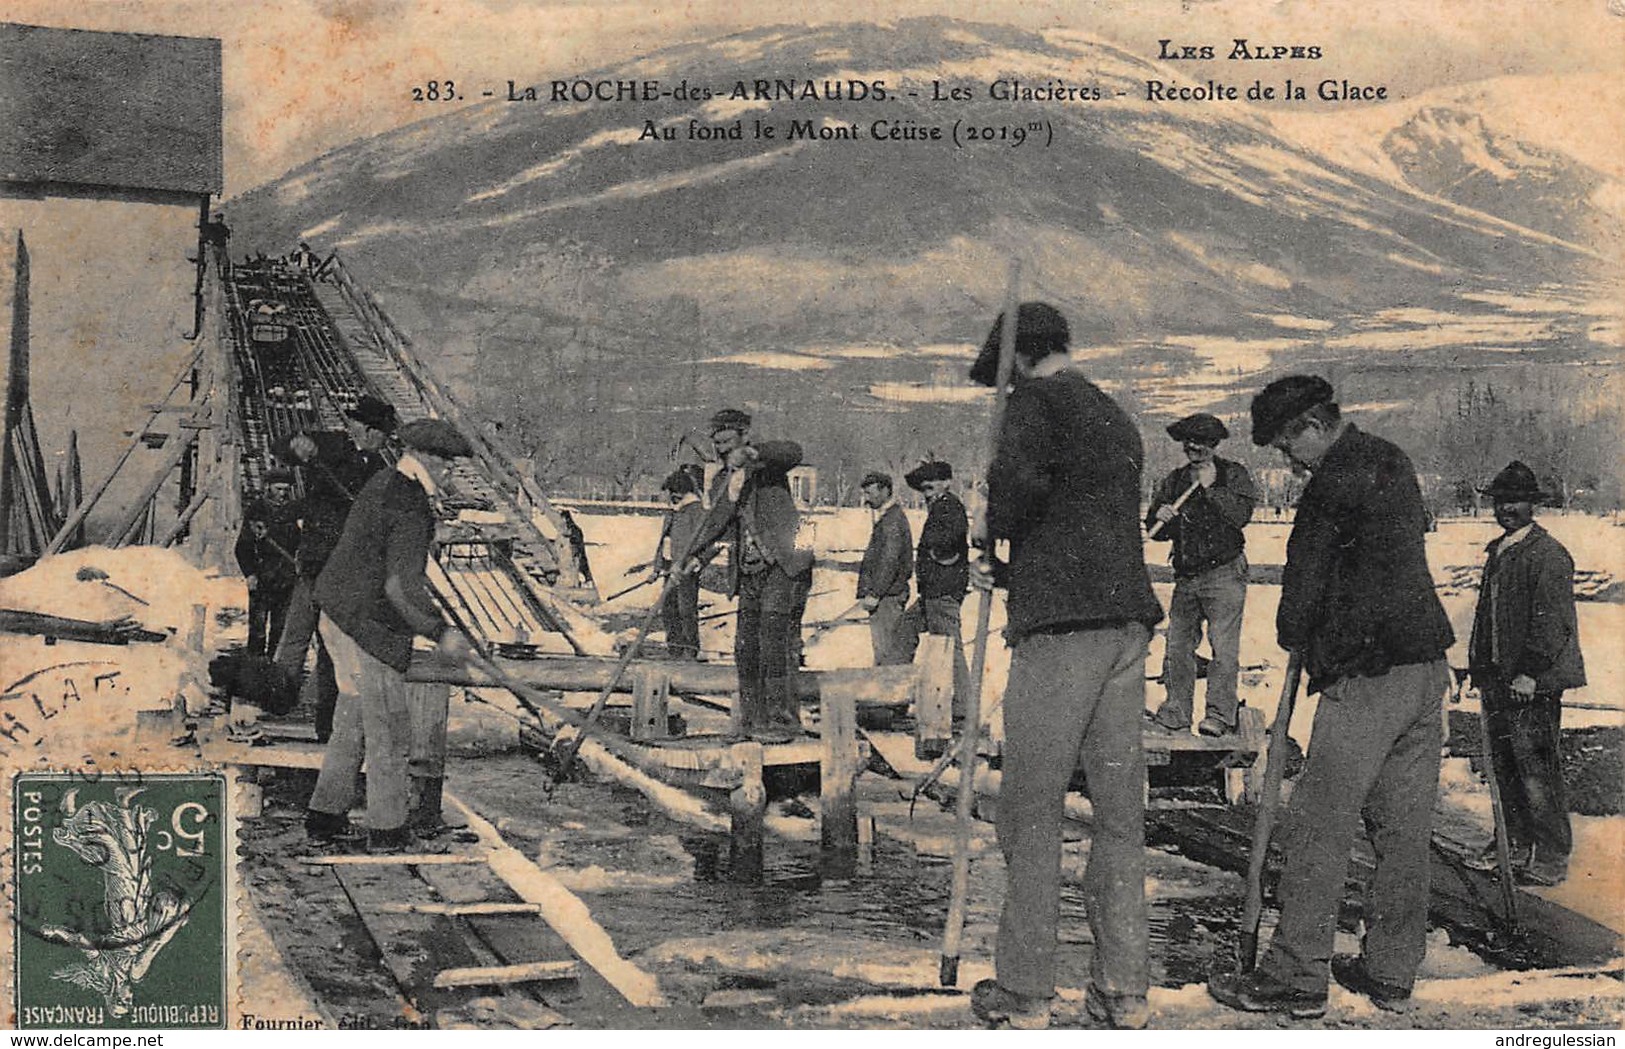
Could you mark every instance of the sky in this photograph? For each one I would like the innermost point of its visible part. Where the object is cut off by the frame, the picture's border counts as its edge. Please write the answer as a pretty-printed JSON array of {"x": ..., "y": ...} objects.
[{"x": 303, "y": 77}]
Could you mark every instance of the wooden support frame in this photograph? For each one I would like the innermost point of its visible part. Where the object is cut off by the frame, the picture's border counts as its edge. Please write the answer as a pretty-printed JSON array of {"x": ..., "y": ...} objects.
[
  {"x": 651, "y": 693},
  {"x": 933, "y": 696},
  {"x": 747, "y": 805},
  {"x": 838, "y": 778}
]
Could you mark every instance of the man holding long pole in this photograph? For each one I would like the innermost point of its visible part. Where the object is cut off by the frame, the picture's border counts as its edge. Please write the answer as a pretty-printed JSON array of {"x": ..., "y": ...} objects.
[
  {"x": 1359, "y": 608},
  {"x": 1064, "y": 489}
]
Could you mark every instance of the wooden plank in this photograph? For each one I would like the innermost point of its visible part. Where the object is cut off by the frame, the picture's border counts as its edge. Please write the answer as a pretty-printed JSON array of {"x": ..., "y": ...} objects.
[
  {"x": 459, "y": 910},
  {"x": 747, "y": 805},
  {"x": 933, "y": 696},
  {"x": 838, "y": 776},
  {"x": 416, "y": 948},
  {"x": 497, "y": 975},
  {"x": 393, "y": 859}
]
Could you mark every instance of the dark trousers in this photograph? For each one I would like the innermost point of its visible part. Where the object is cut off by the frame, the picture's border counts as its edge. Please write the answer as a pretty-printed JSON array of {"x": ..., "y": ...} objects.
[
  {"x": 767, "y": 647},
  {"x": 681, "y": 613},
  {"x": 1373, "y": 756},
  {"x": 1073, "y": 698},
  {"x": 267, "y": 610},
  {"x": 294, "y": 642},
  {"x": 1217, "y": 597},
  {"x": 1527, "y": 758},
  {"x": 886, "y": 632}
]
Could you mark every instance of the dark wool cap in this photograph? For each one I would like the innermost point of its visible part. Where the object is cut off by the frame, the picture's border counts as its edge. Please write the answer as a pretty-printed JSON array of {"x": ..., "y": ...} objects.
[
  {"x": 876, "y": 477},
  {"x": 1040, "y": 331},
  {"x": 435, "y": 437},
  {"x": 370, "y": 411},
  {"x": 929, "y": 470},
  {"x": 1515, "y": 484},
  {"x": 730, "y": 419},
  {"x": 1284, "y": 400},
  {"x": 1201, "y": 428},
  {"x": 680, "y": 481}
]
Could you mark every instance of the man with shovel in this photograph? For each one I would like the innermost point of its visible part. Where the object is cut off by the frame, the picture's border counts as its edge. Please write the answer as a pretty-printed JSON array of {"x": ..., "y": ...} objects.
[
  {"x": 1064, "y": 489},
  {"x": 1359, "y": 608}
]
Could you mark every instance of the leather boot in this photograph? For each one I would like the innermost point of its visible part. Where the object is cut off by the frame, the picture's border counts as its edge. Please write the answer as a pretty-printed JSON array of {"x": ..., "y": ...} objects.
[{"x": 425, "y": 819}]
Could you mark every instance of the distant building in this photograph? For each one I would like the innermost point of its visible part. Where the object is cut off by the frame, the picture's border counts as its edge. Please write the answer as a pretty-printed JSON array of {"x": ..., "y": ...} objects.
[{"x": 804, "y": 485}]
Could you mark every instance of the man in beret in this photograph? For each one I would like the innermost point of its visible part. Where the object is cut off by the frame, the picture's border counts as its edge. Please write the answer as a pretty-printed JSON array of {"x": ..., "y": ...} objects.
[
  {"x": 266, "y": 553},
  {"x": 1358, "y": 607},
  {"x": 1210, "y": 572},
  {"x": 374, "y": 598},
  {"x": 941, "y": 566},
  {"x": 1524, "y": 653},
  {"x": 883, "y": 574},
  {"x": 335, "y": 467},
  {"x": 1064, "y": 489},
  {"x": 770, "y": 567},
  {"x": 681, "y": 611}
]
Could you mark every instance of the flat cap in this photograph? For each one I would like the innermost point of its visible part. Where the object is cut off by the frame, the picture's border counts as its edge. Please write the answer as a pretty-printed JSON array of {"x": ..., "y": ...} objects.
[
  {"x": 1284, "y": 400},
  {"x": 1040, "y": 331},
  {"x": 929, "y": 470},
  {"x": 370, "y": 411},
  {"x": 435, "y": 437},
  {"x": 1201, "y": 428},
  {"x": 1515, "y": 484},
  {"x": 730, "y": 419},
  {"x": 876, "y": 477}
]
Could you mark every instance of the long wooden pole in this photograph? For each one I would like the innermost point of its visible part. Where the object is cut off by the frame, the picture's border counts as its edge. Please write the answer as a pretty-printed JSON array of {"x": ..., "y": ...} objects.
[
  {"x": 1264, "y": 821},
  {"x": 1503, "y": 847},
  {"x": 1157, "y": 528},
  {"x": 954, "y": 928}
]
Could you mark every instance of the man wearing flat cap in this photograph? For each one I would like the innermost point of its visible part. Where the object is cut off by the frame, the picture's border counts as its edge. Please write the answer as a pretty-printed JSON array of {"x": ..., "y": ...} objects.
[
  {"x": 374, "y": 598},
  {"x": 335, "y": 466},
  {"x": 1358, "y": 607},
  {"x": 884, "y": 572},
  {"x": 681, "y": 610},
  {"x": 1064, "y": 489},
  {"x": 941, "y": 566},
  {"x": 1202, "y": 508},
  {"x": 1524, "y": 653},
  {"x": 267, "y": 551},
  {"x": 770, "y": 567}
]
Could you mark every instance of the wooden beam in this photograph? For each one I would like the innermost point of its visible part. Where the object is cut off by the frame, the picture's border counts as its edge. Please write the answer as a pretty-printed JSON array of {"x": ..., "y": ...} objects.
[
  {"x": 747, "y": 805},
  {"x": 492, "y": 975},
  {"x": 838, "y": 777},
  {"x": 415, "y": 859},
  {"x": 933, "y": 696},
  {"x": 459, "y": 910}
]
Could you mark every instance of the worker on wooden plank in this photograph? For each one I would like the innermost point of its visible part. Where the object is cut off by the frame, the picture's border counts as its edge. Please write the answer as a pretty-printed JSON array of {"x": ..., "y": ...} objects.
[
  {"x": 1202, "y": 508},
  {"x": 1064, "y": 489},
  {"x": 334, "y": 466},
  {"x": 266, "y": 553},
  {"x": 681, "y": 610},
  {"x": 1524, "y": 653},
  {"x": 941, "y": 567},
  {"x": 884, "y": 572},
  {"x": 374, "y": 598},
  {"x": 770, "y": 565},
  {"x": 1358, "y": 605}
]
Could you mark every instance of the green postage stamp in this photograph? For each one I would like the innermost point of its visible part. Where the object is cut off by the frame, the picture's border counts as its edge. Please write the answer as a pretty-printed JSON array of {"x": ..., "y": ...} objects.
[{"x": 120, "y": 900}]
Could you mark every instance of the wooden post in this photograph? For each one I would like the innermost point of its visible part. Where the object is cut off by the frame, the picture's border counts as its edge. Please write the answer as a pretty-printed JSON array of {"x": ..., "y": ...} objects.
[
  {"x": 651, "y": 688},
  {"x": 838, "y": 829},
  {"x": 748, "y": 805},
  {"x": 933, "y": 696}
]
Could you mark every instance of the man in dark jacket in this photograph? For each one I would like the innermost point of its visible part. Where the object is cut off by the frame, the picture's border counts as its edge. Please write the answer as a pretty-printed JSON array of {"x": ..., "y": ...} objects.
[
  {"x": 374, "y": 598},
  {"x": 266, "y": 552},
  {"x": 883, "y": 574},
  {"x": 1210, "y": 572},
  {"x": 1064, "y": 489},
  {"x": 1524, "y": 653},
  {"x": 335, "y": 466},
  {"x": 941, "y": 567},
  {"x": 681, "y": 610},
  {"x": 751, "y": 509},
  {"x": 1359, "y": 608}
]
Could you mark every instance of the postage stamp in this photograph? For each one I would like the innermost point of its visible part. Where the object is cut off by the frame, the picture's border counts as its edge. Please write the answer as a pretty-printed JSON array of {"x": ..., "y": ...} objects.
[{"x": 120, "y": 900}]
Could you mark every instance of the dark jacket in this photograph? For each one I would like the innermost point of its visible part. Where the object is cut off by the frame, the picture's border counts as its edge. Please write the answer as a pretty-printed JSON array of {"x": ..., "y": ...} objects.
[
  {"x": 886, "y": 565},
  {"x": 374, "y": 587},
  {"x": 940, "y": 565},
  {"x": 333, "y": 478},
  {"x": 1208, "y": 531},
  {"x": 762, "y": 526},
  {"x": 270, "y": 559},
  {"x": 1357, "y": 598},
  {"x": 1525, "y": 622},
  {"x": 1064, "y": 488},
  {"x": 677, "y": 534}
]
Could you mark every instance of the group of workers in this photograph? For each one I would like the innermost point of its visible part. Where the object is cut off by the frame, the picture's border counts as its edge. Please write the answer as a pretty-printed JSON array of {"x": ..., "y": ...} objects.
[{"x": 1358, "y": 612}]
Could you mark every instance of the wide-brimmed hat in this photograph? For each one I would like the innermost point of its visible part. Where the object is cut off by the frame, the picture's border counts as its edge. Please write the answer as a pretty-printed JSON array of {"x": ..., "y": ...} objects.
[
  {"x": 876, "y": 477},
  {"x": 1201, "y": 428},
  {"x": 435, "y": 437},
  {"x": 730, "y": 419},
  {"x": 929, "y": 470},
  {"x": 1514, "y": 484},
  {"x": 371, "y": 412},
  {"x": 1284, "y": 400},
  {"x": 1041, "y": 330}
]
